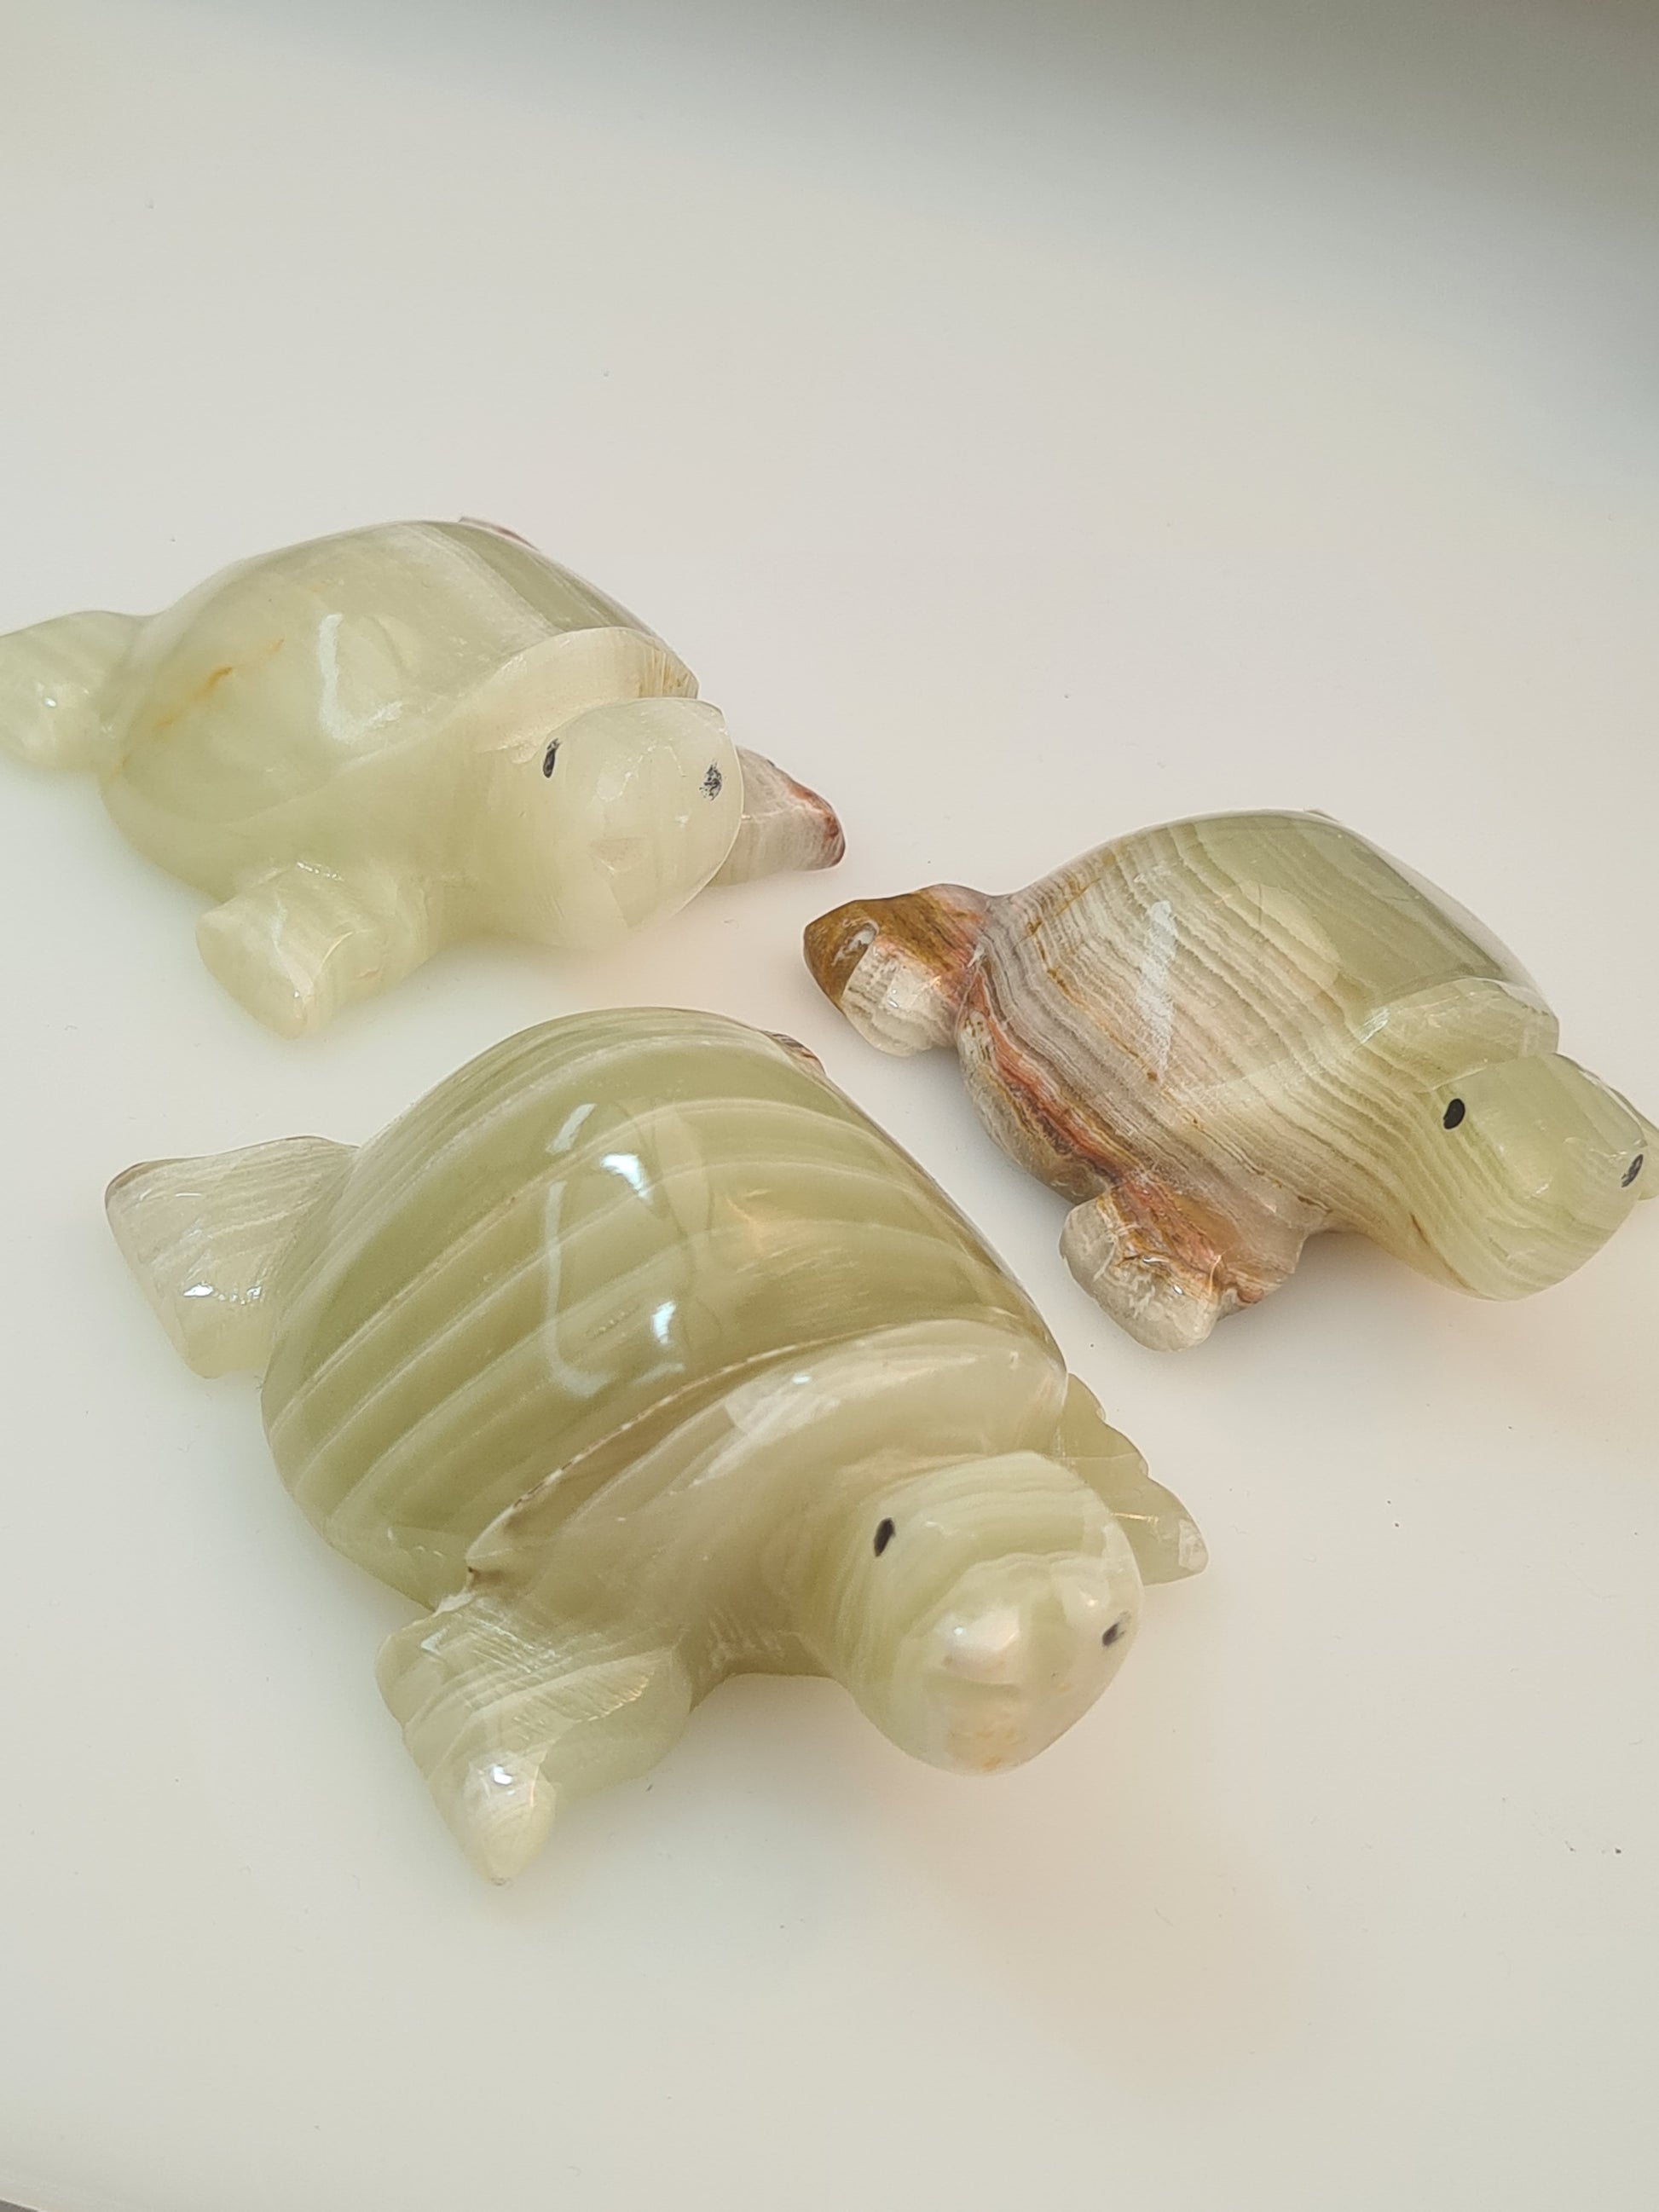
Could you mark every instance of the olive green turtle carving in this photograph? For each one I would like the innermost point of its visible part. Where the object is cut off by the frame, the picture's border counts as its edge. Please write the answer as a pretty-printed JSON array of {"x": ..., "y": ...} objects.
[
  {"x": 367, "y": 747},
  {"x": 638, "y": 1358},
  {"x": 1224, "y": 1036}
]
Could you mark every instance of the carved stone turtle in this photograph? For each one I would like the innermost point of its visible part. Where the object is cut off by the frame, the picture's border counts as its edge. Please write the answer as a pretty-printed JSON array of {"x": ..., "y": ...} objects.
[
  {"x": 370, "y": 745},
  {"x": 640, "y": 1357},
  {"x": 1223, "y": 1035}
]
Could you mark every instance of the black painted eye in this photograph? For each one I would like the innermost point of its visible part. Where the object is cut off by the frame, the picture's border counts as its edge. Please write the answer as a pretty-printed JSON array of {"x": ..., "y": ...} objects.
[
  {"x": 550, "y": 757},
  {"x": 1632, "y": 1172},
  {"x": 713, "y": 783},
  {"x": 884, "y": 1537},
  {"x": 1110, "y": 1636},
  {"x": 1453, "y": 1114}
]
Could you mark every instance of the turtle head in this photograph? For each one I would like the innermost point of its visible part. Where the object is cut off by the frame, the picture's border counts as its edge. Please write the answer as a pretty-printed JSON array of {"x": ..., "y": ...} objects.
[
  {"x": 613, "y": 821},
  {"x": 977, "y": 1610},
  {"x": 1517, "y": 1172}
]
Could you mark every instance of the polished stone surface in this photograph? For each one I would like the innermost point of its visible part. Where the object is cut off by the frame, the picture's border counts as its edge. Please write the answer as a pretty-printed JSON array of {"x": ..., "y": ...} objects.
[
  {"x": 368, "y": 746},
  {"x": 640, "y": 1357},
  {"x": 1221, "y": 1036},
  {"x": 1029, "y": 421}
]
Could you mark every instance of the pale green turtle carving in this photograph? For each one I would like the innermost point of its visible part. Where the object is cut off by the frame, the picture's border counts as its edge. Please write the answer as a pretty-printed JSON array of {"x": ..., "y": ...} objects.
[
  {"x": 638, "y": 1357},
  {"x": 366, "y": 747}
]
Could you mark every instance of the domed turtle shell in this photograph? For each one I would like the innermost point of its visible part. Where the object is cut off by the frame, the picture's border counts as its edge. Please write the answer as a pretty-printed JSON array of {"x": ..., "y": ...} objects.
[
  {"x": 1211, "y": 950},
  {"x": 259, "y": 690},
  {"x": 572, "y": 1245}
]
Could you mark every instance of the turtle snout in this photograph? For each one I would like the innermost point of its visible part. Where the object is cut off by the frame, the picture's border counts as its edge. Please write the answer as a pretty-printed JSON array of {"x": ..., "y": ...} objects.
[
  {"x": 1032, "y": 1645},
  {"x": 1522, "y": 1171},
  {"x": 1010, "y": 1675},
  {"x": 991, "y": 1648}
]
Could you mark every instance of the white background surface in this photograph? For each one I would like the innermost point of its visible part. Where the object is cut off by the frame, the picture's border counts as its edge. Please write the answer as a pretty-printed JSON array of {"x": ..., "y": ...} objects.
[{"x": 1031, "y": 423}]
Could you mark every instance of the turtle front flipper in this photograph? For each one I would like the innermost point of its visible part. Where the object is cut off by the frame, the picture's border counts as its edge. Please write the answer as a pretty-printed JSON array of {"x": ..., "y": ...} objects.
[
  {"x": 511, "y": 1718},
  {"x": 785, "y": 827},
  {"x": 1163, "y": 1534},
  {"x": 295, "y": 947},
  {"x": 1162, "y": 1274},
  {"x": 897, "y": 968}
]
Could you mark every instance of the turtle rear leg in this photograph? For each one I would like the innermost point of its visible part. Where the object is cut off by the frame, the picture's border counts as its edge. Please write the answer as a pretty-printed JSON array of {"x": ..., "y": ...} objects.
[
  {"x": 296, "y": 946},
  {"x": 1162, "y": 1274},
  {"x": 204, "y": 1236},
  {"x": 897, "y": 968},
  {"x": 785, "y": 826},
  {"x": 55, "y": 685},
  {"x": 511, "y": 1719}
]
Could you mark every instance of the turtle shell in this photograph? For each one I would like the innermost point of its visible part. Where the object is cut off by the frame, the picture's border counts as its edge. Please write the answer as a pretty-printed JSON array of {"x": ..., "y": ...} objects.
[
  {"x": 1205, "y": 952},
  {"x": 580, "y": 1239},
  {"x": 255, "y": 692}
]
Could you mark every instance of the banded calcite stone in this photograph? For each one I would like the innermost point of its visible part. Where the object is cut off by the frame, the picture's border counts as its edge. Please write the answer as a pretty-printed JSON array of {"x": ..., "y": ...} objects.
[
  {"x": 369, "y": 746},
  {"x": 638, "y": 1356},
  {"x": 1221, "y": 1036}
]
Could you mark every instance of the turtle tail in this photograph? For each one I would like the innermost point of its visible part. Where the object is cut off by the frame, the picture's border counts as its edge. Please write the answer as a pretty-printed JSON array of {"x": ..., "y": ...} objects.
[
  {"x": 55, "y": 685},
  {"x": 897, "y": 968}
]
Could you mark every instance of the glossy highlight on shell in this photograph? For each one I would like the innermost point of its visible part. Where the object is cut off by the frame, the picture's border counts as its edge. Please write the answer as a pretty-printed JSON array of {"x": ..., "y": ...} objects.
[
  {"x": 1221, "y": 1036},
  {"x": 637, "y": 1357},
  {"x": 375, "y": 744}
]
